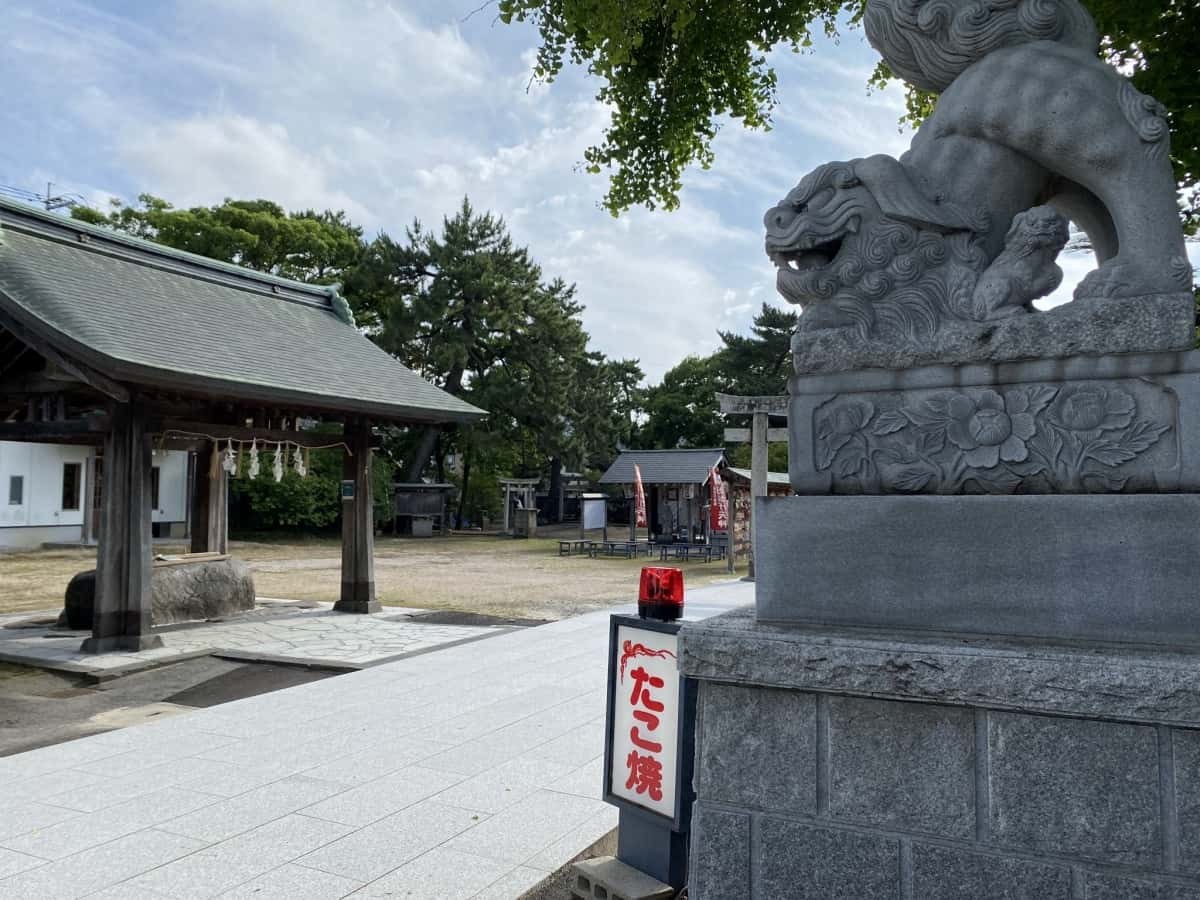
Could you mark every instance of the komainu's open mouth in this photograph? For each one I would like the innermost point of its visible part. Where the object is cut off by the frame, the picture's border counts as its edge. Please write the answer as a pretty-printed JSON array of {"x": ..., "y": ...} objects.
[{"x": 808, "y": 255}]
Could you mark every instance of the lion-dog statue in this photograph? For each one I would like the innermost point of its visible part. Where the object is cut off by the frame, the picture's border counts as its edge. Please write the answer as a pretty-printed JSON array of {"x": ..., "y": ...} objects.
[{"x": 1031, "y": 129}]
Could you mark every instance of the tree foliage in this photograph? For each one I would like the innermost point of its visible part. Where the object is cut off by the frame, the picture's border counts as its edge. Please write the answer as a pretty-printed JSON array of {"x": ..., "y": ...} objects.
[
  {"x": 311, "y": 503},
  {"x": 759, "y": 364},
  {"x": 671, "y": 69},
  {"x": 317, "y": 247},
  {"x": 681, "y": 410},
  {"x": 471, "y": 311}
]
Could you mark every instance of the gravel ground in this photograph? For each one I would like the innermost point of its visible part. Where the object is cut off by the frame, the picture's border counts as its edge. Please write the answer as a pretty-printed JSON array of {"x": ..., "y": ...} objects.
[{"x": 484, "y": 575}]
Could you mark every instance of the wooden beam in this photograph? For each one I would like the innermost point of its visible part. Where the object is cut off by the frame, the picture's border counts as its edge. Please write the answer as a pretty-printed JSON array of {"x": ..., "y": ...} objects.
[
  {"x": 84, "y": 373},
  {"x": 177, "y": 428},
  {"x": 38, "y": 384},
  {"x": 89, "y": 430},
  {"x": 13, "y": 355},
  {"x": 730, "y": 404},
  {"x": 210, "y": 504}
]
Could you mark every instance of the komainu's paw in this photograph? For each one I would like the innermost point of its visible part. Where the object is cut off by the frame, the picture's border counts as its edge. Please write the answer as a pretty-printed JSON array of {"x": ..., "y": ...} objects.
[{"x": 1128, "y": 279}]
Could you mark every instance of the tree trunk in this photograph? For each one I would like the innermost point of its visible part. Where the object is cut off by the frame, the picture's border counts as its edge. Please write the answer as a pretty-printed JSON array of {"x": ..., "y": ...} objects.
[
  {"x": 425, "y": 447},
  {"x": 429, "y": 437},
  {"x": 556, "y": 490},
  {"x": 439, "y": 455},
  {"x": 466, "y": 480}
]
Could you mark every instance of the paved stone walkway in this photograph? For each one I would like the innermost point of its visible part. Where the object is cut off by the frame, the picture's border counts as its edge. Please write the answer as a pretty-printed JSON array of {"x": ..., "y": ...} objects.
[
  {"x": 300, "y": 633},
  {"x": 471, "y": 771}
]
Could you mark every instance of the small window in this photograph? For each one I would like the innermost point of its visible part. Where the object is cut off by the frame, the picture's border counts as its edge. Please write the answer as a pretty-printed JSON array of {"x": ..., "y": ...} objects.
[
  {"x": 16, "y": 490},
  {"x": 154, "y": 479},
  {"x": 72, "y": 472}
]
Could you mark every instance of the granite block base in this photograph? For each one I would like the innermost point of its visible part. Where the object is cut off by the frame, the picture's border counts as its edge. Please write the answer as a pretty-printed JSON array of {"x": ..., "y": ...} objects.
[
  {"x": 1116, "y": 568},
  {"x": 939, "y": 768}
]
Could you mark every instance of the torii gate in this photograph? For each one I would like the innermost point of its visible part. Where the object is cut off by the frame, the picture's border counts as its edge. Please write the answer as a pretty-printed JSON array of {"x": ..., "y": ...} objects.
[{"x": 760, "y": 436}]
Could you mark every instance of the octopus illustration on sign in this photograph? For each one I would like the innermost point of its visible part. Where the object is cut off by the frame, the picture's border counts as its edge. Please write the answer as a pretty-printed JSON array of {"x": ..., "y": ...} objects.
[{"x": 961, "y": 233}]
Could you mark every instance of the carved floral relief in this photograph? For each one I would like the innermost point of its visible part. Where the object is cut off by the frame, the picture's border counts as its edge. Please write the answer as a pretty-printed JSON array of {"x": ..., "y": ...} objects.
[{"x": 1072, "y": 439}]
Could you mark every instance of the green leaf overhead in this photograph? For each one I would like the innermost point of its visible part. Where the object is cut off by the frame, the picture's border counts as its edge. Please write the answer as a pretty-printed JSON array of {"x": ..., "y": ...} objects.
[{"x": 672, "y": 70}]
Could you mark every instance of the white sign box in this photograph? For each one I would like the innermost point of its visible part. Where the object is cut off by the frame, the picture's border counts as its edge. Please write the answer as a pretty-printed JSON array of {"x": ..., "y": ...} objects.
[
  {"x": 644, "y": 720},
  {"x": 595, "y": 513}
]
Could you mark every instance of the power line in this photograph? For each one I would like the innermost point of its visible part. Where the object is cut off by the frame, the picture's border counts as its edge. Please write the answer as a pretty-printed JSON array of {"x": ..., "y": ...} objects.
[{"x": 49, "y": 200}]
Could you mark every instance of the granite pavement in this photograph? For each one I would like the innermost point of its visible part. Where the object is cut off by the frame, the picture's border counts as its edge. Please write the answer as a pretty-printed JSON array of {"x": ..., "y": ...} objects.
[{"x": 471, "y": 771}]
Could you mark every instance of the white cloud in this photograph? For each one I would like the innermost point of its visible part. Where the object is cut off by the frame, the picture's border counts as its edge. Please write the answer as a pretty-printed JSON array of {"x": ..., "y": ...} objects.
[{"x": 241, "y": 155}]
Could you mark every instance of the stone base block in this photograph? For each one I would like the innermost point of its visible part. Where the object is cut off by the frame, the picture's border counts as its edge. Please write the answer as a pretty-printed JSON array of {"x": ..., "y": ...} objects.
[
  {"x": 937, "y": 769},
  {"x": 127, "y": 643},
  {"x": 607, "y": 878},
  {"x": 358, "y": 606},
  {"x": 1111, "y": 568}
]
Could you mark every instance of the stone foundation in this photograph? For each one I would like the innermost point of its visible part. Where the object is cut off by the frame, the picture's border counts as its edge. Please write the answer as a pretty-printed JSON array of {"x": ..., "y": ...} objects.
[
  {"x": 853, "y": 765},
  {"x": 1101, "y": 567}
]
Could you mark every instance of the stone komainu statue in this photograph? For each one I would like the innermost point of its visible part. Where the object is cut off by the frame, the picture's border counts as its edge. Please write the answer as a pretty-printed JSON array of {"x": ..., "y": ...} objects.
[{"x": 1031, "y": 129}]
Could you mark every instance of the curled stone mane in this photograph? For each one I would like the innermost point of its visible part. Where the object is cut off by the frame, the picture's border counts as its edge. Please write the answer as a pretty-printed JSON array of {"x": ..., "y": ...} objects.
[
  {"x": 908, "y": 265},
  {"x": 929, "y": 43}
]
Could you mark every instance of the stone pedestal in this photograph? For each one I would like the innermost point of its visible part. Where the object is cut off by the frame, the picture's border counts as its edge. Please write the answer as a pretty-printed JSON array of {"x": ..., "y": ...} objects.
[
  {"x": 835, "y": 764},
  {"x": 973, "y": 667},
  {"x": 525, "y": 523}
]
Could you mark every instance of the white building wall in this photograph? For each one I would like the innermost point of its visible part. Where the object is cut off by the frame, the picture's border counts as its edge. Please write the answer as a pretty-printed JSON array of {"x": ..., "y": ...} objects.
[
  {"x": 41, "y": 468},
  {"x": 172, "y": 486},
  {"x": 40, "y": 517}
]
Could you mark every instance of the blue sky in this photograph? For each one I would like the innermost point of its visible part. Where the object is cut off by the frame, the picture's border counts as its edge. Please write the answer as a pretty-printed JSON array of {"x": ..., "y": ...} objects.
[{"x": 394, "y": 111}]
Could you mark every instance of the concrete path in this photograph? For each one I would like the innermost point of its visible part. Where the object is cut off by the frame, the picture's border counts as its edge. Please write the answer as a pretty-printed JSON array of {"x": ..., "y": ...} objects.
[
  {"x": 471, "y": 771},
  {"x": 307, "y": 633}
]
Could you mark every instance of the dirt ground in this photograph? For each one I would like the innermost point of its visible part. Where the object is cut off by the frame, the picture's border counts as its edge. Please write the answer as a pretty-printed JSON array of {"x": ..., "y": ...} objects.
[{"x": 487, "y": 575}]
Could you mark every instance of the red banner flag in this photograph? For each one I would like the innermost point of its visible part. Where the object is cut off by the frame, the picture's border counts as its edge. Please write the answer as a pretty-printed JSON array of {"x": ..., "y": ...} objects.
[
  {"x": 719, "y": 503},
  {"x": 639, "y": 497}
]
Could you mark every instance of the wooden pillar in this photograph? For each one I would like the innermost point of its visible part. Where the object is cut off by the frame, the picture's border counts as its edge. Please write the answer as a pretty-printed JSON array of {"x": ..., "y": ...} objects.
[
  {"x": 730, "y": 517},
  {"x": 758, "y": 474},
  {"x": 358, "y": 524},
  {"x": 210, "y": 503},
  {"x": 86, "y": 503},
  {"x": 121, "y": 619}
]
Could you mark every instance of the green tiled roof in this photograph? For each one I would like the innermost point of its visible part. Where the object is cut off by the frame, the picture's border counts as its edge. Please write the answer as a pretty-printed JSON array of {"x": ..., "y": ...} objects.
[
  {"x": 144, "y": 314},
  {"x": 664, "y": 466}
]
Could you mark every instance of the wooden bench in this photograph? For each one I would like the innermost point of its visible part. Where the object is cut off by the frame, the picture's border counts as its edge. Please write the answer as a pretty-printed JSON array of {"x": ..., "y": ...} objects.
[
  {"x": 688, "y": 552},
  {"x": 628, "y": 549},
  {"x": 579, "y": 545}
]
